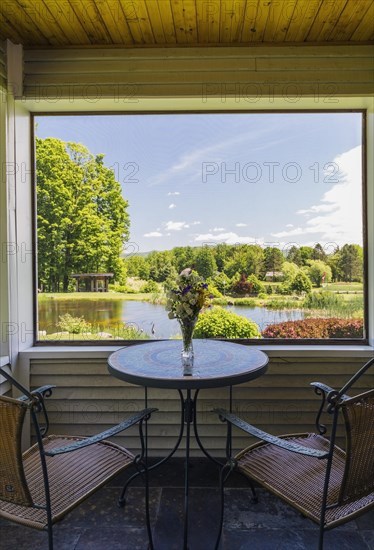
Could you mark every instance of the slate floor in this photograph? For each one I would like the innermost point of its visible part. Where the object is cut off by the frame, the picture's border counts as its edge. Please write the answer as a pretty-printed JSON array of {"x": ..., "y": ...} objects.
[{"x": 98, "y": 524}]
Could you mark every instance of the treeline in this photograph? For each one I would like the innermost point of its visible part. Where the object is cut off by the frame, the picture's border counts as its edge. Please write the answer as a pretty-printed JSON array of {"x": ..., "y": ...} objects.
[{"x": 227, "y": 265}]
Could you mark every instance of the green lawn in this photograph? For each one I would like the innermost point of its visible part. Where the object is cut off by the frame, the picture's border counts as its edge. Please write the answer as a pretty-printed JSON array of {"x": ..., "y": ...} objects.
[{"x": 94, "y": 296}]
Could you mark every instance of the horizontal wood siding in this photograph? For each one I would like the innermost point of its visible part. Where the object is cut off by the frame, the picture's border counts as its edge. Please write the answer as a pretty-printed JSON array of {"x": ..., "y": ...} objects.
[
  {"x": 246, "y": 73},
  {"x": 5, "y": 386},
  {"x": 88, "y": 400},
  {"x": 3, "y": 78}
]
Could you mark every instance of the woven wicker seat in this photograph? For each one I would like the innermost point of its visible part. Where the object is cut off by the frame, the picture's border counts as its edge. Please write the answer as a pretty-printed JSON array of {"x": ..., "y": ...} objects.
[
  {"x": 40, "y": 486},
  {"x": 309, "y": 471}
]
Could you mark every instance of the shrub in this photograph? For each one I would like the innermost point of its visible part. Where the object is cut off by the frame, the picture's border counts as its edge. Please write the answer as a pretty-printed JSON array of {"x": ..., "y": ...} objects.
[
  {"x": 220, "y": 323},
  {"x": 150, "y": 286},
  {"x": 221, "y": 281},
  {"x": 119, "y": 288},
  {"x": 73, "y": 325},
  {"x": 250, "y": 285},
  {"x": 214, "y": 292},
  {"x": 316, "y": 328}
]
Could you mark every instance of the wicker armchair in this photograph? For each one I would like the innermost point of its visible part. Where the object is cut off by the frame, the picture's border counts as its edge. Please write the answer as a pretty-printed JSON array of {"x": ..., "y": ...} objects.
[
  {"x": 308, "y": 471},
  {"x": 40, "y": 486}
]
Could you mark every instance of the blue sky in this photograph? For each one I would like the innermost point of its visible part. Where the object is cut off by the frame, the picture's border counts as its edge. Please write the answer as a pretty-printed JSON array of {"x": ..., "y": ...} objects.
[{"x": 272, "y": 179}]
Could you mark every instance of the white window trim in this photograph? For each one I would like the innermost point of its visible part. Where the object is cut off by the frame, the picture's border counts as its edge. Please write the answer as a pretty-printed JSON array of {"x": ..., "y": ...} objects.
[{"x": 195, "y": 104}]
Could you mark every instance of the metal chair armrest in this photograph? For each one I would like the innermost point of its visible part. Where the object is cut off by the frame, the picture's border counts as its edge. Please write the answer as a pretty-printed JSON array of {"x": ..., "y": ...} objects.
[
  {"x": 268, "y": 438},
  {"x": 327, "y": 389},
  {"x": 134, "y": 419},
  {"x": 44, "y": 391}
]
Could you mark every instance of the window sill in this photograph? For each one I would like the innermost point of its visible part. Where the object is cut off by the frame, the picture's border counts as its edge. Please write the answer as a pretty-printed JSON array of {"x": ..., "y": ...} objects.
[{"x": 285, "y": 351}]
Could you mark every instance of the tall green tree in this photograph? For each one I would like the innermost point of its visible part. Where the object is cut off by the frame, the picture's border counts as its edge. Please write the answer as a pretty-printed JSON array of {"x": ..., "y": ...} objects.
[
  {"x": 205, "y": 264},
  {"x": 273, "y": 259},
  {"x": 294, "y": 256},
  {"x": 351, "y": 262},
  {"x": 82, "y": 218}
]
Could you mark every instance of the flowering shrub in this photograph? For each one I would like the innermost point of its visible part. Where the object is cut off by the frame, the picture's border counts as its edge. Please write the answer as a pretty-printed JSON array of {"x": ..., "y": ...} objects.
[
  {"x": 73, "y": 325},
  {"x": 188, "y": 297},
  {"x": 221, "y": 323},
  {"x": 316, "y": 328}
]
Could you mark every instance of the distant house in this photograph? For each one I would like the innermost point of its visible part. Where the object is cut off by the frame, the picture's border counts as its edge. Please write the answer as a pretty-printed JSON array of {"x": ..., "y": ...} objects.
[{"x": 273, "y": 276}]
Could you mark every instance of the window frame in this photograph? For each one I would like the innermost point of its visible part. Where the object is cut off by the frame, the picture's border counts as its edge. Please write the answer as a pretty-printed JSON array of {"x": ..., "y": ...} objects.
[{"x": 265, "y": 342}]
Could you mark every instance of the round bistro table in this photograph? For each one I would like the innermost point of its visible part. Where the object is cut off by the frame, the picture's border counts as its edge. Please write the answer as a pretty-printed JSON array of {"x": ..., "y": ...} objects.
[{"x": 159, "y": 365}]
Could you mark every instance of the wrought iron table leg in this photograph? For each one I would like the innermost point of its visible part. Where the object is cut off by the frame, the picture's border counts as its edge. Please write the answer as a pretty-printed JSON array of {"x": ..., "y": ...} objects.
[
  {"x": 199, "y": 442},
  {"x": 189, "y": 415}
]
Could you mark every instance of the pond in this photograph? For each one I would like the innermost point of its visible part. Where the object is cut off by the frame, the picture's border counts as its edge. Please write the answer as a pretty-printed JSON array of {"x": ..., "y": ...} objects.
[{"x": 152, "y": 319}]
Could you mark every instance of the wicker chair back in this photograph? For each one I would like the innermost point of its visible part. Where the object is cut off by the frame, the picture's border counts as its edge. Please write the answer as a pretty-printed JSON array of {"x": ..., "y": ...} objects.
[
  {"x": 358, "y": 480},
  {"x": 13, "y": 485}
]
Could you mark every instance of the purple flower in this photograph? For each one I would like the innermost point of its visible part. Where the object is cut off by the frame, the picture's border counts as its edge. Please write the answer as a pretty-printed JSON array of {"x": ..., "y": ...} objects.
[{"x": 186, "y": 289}]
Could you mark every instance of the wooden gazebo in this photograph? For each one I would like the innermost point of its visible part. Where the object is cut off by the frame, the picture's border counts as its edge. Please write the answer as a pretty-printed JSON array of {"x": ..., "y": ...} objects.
[{"x": 93, "y": 282}]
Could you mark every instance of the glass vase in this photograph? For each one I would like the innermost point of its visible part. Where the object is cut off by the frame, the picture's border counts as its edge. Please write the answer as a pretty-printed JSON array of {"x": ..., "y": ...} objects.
[{"x": 187, "y": 328}]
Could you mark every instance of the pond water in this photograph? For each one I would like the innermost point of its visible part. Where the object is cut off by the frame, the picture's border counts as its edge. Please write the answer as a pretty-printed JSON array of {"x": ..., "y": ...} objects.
[{"x": 152, "y": 319}]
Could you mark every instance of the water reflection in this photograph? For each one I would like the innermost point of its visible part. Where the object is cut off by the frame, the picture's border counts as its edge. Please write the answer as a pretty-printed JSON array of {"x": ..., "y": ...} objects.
[{"x": 142, "y": 315}]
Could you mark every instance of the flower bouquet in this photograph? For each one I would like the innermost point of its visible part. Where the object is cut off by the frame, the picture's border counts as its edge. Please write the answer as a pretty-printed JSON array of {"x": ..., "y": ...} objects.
[{"x": 184, "y": 302}]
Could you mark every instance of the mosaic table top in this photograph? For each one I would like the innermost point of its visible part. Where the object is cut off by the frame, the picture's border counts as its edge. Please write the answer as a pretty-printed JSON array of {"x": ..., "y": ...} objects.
[{"x": 159, "y": 365}]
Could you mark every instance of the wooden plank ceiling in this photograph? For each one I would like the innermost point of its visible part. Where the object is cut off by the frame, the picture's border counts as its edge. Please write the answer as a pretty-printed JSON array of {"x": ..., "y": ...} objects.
[{"x": 147, "y": 23}]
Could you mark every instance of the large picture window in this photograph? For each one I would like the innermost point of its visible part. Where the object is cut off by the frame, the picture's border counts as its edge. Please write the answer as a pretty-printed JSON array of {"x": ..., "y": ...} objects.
[{"x": 266, "y": 207}]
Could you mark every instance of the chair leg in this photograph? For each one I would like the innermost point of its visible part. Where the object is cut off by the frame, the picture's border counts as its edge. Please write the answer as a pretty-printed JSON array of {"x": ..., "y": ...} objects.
[
  {"x": 320, "y": 538},
  {"x": 143, "y": 471},
  {"x": 50, "y": 535},
  {"x": 224, "y": 474}
]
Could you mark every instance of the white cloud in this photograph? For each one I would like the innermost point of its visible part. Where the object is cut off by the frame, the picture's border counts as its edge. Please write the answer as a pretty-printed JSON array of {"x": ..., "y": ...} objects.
[
  {"x": 191, "y": 161},
  {"x": 229, "y": 238},
  {"x": 176, "y": 226},
  {"x": 219, "y": 229},
  {"x": 173, "y": 193},
  {"x": 195, "y": 223},
  {"x": 153, "y": 234},
  {"x": 318, "y": 208},
  {"x": 241, "y": 225},
  {"x": 289, "y": 225},
  {"x": 172, "y": 205},
  {"x": 338, "y": 217}
]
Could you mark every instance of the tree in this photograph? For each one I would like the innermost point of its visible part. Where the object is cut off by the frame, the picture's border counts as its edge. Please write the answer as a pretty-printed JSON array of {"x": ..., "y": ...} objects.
[
  {"x": 137, "y": 266},
  {"x": 350, "y": 262},
  {"x": 82, "y": 219},
  {"x": 289, "y": 270},
  {"x": 273, "y": 259},
  {"x": 294, "y": 256},
  {"x": 221, "y": 253},
  {"x": 161, "y": 266},
  {"x": 246, "y": 259},
  {"x": 183, "y": 256},
  {"x": 306, "y": 253},
  {"x": 205, "y": 264},
  {"x": 319, "y": 272},
  {"x": 319, "y": 253},
  {"x": 300, "y": 283}
]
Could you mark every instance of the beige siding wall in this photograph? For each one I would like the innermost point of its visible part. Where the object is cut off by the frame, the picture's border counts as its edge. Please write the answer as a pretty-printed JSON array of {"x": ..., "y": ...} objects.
[
  {"x": 246, "y": 73},
  {"x": 3, "y": 78},
  {"x": 87, "y": 400}
]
